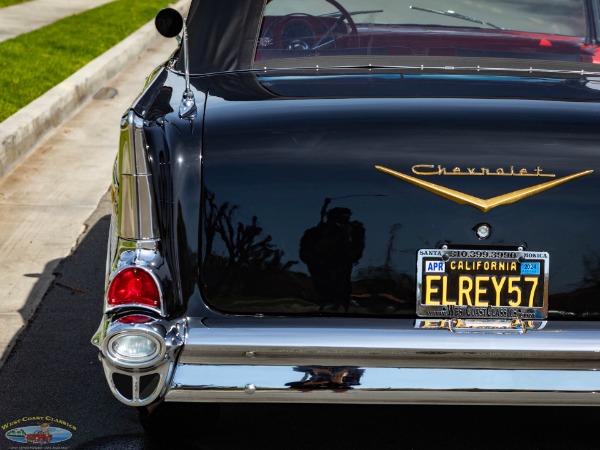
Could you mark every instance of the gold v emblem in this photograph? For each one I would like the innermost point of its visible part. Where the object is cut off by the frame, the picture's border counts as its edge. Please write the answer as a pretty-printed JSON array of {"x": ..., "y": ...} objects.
[{"x": 479, "y": 203}]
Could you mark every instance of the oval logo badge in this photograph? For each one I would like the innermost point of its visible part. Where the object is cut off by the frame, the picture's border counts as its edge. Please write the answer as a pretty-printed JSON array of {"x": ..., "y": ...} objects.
[{"x": 40, "y": 434}]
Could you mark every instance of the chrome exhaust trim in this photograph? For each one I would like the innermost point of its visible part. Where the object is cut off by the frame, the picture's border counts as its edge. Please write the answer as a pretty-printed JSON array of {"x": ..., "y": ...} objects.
[
  {"x": 137, "y": 396},
  {"x": 139, "y": 383}
]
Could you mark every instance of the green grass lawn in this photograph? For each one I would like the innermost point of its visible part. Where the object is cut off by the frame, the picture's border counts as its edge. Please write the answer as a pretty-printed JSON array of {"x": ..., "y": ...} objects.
[
  {"x": 33, "y": 63},
  {"x": 4, "y": 3}
]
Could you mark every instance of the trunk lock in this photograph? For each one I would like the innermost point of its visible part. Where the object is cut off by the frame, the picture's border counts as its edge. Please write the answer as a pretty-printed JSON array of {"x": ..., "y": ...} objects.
[{"x": 483, "y": 231}]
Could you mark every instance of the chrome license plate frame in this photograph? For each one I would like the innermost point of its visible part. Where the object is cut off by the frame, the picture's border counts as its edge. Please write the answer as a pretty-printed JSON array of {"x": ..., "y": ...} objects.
[{"x": 482, "y": 284}]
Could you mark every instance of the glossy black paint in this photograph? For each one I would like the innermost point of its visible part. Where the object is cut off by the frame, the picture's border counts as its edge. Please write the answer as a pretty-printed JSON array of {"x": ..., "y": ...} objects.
[{"x": 269, "y": 202}]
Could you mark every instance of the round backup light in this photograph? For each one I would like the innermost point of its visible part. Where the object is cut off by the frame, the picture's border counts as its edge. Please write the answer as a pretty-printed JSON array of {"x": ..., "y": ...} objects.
[
  {"x": 133, "y": 286},
  {"x": 133, "y": 347}
]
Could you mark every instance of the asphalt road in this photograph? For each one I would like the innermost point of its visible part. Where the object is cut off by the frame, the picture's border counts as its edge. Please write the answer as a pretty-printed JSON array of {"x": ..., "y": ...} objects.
[{"x": 53, "y": 372}]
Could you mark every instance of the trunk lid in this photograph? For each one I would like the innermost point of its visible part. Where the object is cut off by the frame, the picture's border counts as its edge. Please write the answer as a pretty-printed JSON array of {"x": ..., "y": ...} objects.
[{"x": 297, "y": 219}]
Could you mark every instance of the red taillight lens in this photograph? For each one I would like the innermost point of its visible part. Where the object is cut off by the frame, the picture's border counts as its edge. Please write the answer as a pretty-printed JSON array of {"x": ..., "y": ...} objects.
[
  {"x": 136, "y": 318},
  {"x": 133, "y": 286}
]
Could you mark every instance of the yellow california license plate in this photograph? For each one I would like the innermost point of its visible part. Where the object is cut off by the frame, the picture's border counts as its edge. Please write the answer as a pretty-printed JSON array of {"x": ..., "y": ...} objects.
[{"x": 495, "y": 284}]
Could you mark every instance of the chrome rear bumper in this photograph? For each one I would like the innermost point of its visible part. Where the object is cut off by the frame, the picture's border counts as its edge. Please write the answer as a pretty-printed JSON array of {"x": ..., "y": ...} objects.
[
  {"x": 352, "y": 361},
  {"x": 385, "y": 385}
]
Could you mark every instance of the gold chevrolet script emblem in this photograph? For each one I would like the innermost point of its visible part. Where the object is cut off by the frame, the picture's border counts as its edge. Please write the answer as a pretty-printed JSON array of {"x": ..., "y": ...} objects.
[{"x": 482, "y": 204}]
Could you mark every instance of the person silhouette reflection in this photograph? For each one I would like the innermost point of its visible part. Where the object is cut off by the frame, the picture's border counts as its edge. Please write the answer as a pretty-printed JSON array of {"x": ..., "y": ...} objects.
[
  {"x": 330, "y": 250},
  {"x": 321, "y": 377}
]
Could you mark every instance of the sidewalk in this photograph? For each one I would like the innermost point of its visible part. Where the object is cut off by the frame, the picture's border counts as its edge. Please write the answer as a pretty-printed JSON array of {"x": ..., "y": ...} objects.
[
  {"x": 46, "y": 199},
  {"x": 25, "y": 17},
  {"x": 22, "y": 131}
]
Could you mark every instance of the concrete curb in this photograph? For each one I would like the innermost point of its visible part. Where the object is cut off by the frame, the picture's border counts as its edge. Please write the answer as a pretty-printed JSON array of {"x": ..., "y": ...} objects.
[{"x": 23, "y": 130}]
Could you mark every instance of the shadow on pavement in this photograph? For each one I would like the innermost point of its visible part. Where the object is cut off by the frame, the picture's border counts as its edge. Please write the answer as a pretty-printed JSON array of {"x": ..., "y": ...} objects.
[
  {"x": 53, "y": 371},
  {"x": 44, "y": 280}
]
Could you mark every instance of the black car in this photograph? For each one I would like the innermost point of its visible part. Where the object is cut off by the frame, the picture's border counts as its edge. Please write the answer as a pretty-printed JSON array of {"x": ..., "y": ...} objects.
[{"x": 362, "y": 202}]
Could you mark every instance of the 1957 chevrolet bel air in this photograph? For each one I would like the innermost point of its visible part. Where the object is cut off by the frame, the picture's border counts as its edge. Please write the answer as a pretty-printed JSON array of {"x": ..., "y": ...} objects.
[{"x": 360, "y": 201}]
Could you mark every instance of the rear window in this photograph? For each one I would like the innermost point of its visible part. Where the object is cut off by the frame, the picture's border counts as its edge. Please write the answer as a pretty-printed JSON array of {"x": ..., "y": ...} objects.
[{"x": 370, "y": 30}]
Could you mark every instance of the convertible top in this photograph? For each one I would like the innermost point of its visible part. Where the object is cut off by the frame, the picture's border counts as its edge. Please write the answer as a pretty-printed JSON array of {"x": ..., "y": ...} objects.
[
  {"x": 226, "y": 36},
  {"x": 223, "y": 34}
]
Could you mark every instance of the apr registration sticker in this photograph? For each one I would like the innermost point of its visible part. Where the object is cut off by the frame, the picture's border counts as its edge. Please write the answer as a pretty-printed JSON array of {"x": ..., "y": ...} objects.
[
  {"x": 435, "y": 267},
  {"x": 495, "y": 284}
]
